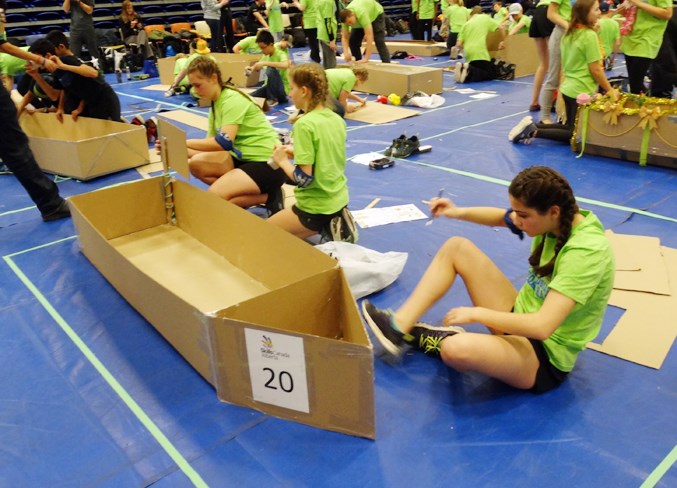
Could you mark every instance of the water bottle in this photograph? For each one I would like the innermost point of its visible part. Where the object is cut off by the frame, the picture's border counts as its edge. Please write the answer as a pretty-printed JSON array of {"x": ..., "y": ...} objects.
[
  {"x": 169, "y": 52},
  {"x": 129, "y": 74}
]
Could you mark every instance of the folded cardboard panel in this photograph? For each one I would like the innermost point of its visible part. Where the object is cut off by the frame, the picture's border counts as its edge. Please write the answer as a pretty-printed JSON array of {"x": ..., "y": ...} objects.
[
  {"x": 519, "y": 50},
  {"x": 418, "y": 48},
  {"x": 623, "y": 140},
  {"x": 388, "y": 78},
  {"x": 84, "y": 149},
  {"x": 222, "y": 275},
  {"x": 232, "y": 67}
]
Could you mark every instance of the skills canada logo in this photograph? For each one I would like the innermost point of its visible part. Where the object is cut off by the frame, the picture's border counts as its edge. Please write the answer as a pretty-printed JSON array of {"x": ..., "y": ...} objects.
[{"x": 268, "y": 350}]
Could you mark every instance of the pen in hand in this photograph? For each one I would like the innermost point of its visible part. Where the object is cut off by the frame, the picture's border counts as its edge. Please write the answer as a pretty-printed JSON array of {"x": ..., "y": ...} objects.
[{"x": 439, "y": 195}]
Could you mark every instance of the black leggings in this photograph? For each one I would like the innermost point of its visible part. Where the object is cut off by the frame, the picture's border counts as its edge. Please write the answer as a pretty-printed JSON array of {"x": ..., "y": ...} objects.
[
  {"x": 637, "y": 70},
  {"x": 560, "y": 132},
  {"x": 425, "y": 29}
]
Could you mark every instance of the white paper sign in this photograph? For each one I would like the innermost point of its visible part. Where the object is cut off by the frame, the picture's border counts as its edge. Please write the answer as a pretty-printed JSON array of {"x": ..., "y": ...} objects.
[
  {"x": 372, "y": 217},
  {"x": 277, "y": 369}
]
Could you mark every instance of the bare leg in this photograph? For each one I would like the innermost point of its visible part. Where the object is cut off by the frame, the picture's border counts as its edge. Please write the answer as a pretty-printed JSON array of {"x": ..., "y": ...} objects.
[
  {"x": 543, "y": 61},
  {"x": 210, "y": 166},
  {"x": 286, "y": 219},
  {"x": 238, "y": 188},
  {"x": 487, "y": 285}
]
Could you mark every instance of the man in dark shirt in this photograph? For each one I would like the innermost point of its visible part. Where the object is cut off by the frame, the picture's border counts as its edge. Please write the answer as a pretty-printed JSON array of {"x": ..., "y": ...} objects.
[
  {"x": 256, "y": 17},
  {"x": 82, "y": 27}
]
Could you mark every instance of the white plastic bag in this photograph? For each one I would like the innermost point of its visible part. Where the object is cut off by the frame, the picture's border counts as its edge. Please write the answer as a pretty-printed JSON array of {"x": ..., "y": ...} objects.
[
  {"x": 433, "y": 101},
  {"x": 368, "y": 271}
]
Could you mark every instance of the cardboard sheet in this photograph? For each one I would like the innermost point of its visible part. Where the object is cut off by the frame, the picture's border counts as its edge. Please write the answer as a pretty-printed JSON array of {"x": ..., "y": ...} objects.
[
  {"x": 188, "y": 118},
  {"x": 378, "y": 113},
  {"x": 639, "y": 264},
  {"x": 162, "y": 88},
  {"x": 647, "y": 330}
]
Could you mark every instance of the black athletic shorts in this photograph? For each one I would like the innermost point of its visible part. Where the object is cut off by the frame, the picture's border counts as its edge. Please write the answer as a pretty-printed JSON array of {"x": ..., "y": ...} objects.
[
  {"x": 315, "y": 222},
  {"x": 548, "y": 377},
  {"x": 540, "y": 25},
  {"x": 265, "y": 177}
]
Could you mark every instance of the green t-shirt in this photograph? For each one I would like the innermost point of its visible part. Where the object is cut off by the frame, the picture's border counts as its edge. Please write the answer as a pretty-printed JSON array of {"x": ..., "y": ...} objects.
[
  {"x": 274, "y": 16},
  {"x": 647, "y": 33},
  {"x": 12, "y": 66},
  {"x": 309, "y": 13},
  {"x": 182, "y": 63},
  {"x": 564, "y": 9},
  {"x": 474, "y": 37},
  {"x": 579, "y": 49},
  {"x": 543, "y": 3},
  {"x": 457, "y": 16},
  {"x": 584, "y": 271},
  {"x": 500, "y": 15},
  {"x": 279, "y": 56},
  {"x": 255, "y": 137},
  {"x": 609, "y": 33},
  {"x": 426, "y": 9},
  {"x": 327, "y": 26},
  {"x": 320, "y": 141},
  {"x": 340, "y": 79},
  {"x": 365, "y": 12},
  {"x": 248, "y": 45},
  {"x": 525, "y": 20}
]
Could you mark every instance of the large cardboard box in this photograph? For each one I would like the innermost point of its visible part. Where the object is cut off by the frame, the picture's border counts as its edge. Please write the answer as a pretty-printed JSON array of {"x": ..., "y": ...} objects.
[
  {"x": 387, "y": 78},
  {"x": 624, "y": 130},
  {"x": 232, "y": 66},
  {"x": 84, "y": 149},
  {"x": 519, "y": 50},
  {"x": 264, "y": 317}
]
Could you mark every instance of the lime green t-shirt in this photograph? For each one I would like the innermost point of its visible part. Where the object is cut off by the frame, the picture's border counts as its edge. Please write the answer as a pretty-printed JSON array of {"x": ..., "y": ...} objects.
[
  {"x": 609, "y": 33},
  {"x": 426, "y": 9},
  {"x": 474, "y": 37},
  {"x": 274, "y": 16},
  {"x": 320, "y": 141},
  {"x": 543, "y": 3},
  {"x": 457, "y": 16},
  {"x": 365, "y": 12},
  {"x": 309, "y": 13},
  {"x": 525, "y": 20},
  {"x": 500, "y": 15},
  {"x": 248, "y": 45},
  {"x": 647, "y": 32},
  {"x": 564, "y": 9},
  {"x": 279, "y": 56},
  {"x": 12, "y": 66},
  {"x": 579, "y": 49},
  {"x": 340, "y": 79},
  {"x": 255, "y": 137},
  {"x": 182, "y": 63},
  {"x": 584, "y": 271},
  {"x": 327, "y": 26}
]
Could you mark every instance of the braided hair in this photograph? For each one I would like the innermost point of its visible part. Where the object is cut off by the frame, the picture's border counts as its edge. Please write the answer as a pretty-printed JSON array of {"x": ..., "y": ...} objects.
[
  {"x": 540, "y": 188},
  {"x": 313, "y": 77}
]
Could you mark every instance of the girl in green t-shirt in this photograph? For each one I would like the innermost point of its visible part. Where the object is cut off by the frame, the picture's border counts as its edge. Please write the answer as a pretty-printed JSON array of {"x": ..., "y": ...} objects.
[
  {"x": 537, "y": 331},
  {"x": 319, "y": 155},
  {"x": 583, "y": 68},
  {"x": 240, "y": 140}
]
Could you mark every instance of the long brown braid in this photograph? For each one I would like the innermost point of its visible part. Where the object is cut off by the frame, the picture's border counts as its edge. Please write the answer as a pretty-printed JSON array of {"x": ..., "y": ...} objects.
[
  {"x": 313, "y": 77},
  {"x": 540, "y": 188},
  {"x": 207, "y": 67}
]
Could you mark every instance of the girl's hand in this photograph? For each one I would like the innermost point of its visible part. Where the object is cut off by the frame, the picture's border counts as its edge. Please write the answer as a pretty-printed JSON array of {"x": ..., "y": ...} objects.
[
  {"x": 59, "y": 115},
  {"x": 75, "y": 114},
  {"x": 460, "y": 315},
  {"x": 442, "y": 207}
]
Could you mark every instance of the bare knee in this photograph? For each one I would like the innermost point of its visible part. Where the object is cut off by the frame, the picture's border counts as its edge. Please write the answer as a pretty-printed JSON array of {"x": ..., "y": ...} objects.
[
  {"x": 455, "y": 245},
  {"x": 456, "y": 352}
]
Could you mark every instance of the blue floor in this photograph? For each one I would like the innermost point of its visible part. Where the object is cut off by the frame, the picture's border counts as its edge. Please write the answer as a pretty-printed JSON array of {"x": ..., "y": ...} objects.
[{"x": 93, "y": 396}]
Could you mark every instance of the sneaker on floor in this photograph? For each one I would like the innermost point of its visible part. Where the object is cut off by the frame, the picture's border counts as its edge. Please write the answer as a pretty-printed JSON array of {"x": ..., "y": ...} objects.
[
  {"x": 275, "y": 202},
  {"x": 453, "y": 54},
  {"x": 463, "y": 74},
  {"x": 428, "y": 338},
  {"x": 534, "y": 108},
  {"x": 406, "y": 147},
  {"x": 4, "y": 170},
  {"x": 508, "y": 72},
  {"x": 457, "y": 72},
  {"x": 271, "y": 103},
  {"x": 379, "y": 321},
  {"x": 341, "y": 228},
  {"x": 170, "y": 93},
  {"x": 151, "y": 129},
  {"x": 523, "y": 131},
  {"x": 61, "y": 212},
  {"x": 396, "y": 144}
]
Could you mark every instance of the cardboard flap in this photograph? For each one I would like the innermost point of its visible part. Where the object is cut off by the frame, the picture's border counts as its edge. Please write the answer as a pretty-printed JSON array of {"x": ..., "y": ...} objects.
[{"x": 175, "y": 147}]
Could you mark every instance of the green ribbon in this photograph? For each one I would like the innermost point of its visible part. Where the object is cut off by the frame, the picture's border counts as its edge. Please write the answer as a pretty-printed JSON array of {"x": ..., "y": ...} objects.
[
  {"x": 584, "y": 128},
  {"x": 644, "y": 148}
]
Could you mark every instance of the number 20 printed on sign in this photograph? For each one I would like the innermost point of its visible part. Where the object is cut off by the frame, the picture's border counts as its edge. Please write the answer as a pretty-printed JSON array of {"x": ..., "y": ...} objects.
[{"x": 277, "y": 369}]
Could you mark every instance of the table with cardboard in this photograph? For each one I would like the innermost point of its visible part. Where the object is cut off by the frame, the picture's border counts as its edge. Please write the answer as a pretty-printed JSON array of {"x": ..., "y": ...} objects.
[
  {"x": 263, "y": 316},
  {"x": 86, "y": 148}
]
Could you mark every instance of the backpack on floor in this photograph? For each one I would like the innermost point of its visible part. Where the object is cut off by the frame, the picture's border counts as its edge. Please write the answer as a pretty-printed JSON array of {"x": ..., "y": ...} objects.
[{"x": 402, "y": 27}]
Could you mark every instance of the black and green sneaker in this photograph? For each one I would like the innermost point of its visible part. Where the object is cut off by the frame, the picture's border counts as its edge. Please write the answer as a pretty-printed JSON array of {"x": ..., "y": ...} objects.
[
  {"x": 428, "y": 338},
  {"x": 393, "y": 341}
]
